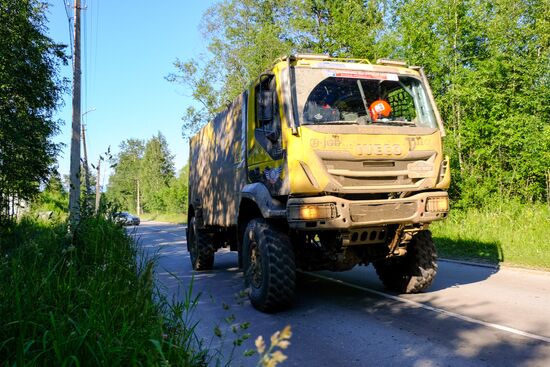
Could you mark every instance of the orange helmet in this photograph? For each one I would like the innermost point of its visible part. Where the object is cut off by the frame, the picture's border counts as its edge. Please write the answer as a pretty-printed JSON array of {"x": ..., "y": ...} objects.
[{"x": 379, "y": 108}]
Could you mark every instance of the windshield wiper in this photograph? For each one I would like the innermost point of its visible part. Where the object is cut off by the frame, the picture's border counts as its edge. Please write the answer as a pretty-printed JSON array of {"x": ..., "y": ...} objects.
[
  {"x": 394, "y": 122},
  {"x": 342, "y": 122},
  {"x": 364, "y": 120}
]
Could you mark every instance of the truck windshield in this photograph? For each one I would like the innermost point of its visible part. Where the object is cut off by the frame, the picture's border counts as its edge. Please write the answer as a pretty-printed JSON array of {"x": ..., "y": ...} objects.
[{"x": 326, "y": 96}]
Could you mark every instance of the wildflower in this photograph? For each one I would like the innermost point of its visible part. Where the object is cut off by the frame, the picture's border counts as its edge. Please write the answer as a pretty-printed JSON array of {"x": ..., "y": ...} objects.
[
  {"x": 272, "y": 357},
  {"x": 260, "y": 344}
]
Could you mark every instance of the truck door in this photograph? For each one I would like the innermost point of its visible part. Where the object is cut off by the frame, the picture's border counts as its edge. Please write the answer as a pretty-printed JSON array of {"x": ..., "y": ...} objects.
[{"x": 265, "y": 143}]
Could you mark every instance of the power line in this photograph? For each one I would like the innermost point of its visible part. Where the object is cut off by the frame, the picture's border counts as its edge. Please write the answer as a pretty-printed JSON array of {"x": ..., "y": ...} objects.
[
  {"x": 96, "y": 39},
  {"x": 69, "y": 21},
  {"x": 86, "y": 52}
]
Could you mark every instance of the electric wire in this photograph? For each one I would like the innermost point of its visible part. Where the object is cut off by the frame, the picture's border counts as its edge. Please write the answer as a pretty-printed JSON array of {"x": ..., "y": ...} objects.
[
  {"x": 69, "y": 21},
  {"x": 96, "y": 39},
  {"x": 84, "y": 16},
  {"x": 90, "y": 29}
]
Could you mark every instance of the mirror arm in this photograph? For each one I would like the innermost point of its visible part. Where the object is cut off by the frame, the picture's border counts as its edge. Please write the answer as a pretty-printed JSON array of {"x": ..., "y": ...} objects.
[{"x": 289, "y": 104}]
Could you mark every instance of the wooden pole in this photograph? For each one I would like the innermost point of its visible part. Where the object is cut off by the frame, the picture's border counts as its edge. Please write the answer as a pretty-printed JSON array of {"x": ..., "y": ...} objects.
[
  {"x": 74, "y": 197},
  {"x": 85, "y": 163},
  {"x": 97, "y": 186},
  {"x": 138, "y": 204}
]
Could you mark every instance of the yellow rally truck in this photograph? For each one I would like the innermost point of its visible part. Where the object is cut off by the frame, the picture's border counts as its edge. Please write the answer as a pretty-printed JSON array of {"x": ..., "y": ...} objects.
[{"x": 321, "y": 164}]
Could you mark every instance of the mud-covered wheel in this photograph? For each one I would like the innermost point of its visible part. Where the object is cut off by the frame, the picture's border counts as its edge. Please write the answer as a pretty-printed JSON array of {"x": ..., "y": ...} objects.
[
  {"x": 200, "y": 246},
  {"x": 413, "y": 272},
  {"x": 269, "y": 266}
]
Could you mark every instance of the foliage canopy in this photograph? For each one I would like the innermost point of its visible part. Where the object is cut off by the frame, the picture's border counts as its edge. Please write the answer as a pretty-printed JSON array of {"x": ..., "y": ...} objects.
[
  {"x": 146, "y": 170},
  {"x": 30, "y": 90},
  {"x": 488, "y": 62}
]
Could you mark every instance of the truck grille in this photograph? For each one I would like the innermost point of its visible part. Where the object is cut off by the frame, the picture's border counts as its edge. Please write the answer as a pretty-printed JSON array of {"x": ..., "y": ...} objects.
[
  {"x": 388, "y": 211},
  {"x": 353, "y": 173}
]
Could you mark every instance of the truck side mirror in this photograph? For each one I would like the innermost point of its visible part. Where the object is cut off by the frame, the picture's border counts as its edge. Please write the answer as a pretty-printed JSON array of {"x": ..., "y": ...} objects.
[{"x": 265, "y": 106}]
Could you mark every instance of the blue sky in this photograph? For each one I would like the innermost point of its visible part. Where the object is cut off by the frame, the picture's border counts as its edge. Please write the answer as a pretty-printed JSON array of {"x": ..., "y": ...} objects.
[{"x": 129, "y": 47}]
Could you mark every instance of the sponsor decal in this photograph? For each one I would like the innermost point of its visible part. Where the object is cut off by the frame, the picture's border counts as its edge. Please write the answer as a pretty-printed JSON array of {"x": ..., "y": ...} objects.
[
  {"x": 335, "y": 143},
  {"x": 332, "y": 64},
  {"x": 361, "y": 75},
  {"x": 415, "y": 141},
  {"x": 420, "y": 169},
  {"x": 272, "y": 175},
  {"x": 326, "y": 143}
]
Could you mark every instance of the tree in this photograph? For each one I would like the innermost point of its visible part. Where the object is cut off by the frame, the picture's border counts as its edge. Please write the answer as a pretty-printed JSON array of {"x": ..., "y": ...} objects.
[
  {"x": 349, "y": 28},
  {"x": 245, "y": 36},
  {"x": 488, "y": 63},
  {"x": 157, "y": 172},
  {"x": 144, "y": 173},
  {"x": 30, "y": 90},
  {"x": 54, "y": 198},
  {"x": 175, "y": 195},
  {"x": 514, "y": 85},
  {"x": 123, "y": 183}
]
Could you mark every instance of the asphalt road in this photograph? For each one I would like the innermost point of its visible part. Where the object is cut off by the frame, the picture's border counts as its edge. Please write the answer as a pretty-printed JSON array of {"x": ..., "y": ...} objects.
[{"x": 471, "y": 316}]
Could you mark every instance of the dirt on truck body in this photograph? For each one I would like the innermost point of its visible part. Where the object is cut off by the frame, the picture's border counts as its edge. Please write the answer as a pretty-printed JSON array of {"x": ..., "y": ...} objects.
[{"x": 321, "y": 164}]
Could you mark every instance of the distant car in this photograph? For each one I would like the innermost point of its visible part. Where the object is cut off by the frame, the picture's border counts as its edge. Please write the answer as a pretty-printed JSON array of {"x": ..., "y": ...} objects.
[{"x": 126, "y": 219}]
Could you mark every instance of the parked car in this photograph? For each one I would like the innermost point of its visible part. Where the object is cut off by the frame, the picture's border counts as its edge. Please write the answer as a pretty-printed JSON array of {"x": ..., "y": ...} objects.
[{"x": 126, "y": 219}]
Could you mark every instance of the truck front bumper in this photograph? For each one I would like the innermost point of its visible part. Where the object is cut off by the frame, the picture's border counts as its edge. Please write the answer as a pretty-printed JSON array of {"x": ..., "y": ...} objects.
[{"x": 331, "y": 212}]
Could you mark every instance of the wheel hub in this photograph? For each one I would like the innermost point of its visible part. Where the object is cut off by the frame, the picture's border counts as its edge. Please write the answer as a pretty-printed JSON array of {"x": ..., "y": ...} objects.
[{"x": 255, "y": 266}]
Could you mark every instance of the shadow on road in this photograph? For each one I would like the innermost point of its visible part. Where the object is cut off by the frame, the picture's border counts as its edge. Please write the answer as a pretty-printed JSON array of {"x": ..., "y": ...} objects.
[
  {"x": 336, "y": 324},
  {"x": 453, "y": 274},
  {"x": 425, "y": 331},
  {"x": 472, "y": 250}
]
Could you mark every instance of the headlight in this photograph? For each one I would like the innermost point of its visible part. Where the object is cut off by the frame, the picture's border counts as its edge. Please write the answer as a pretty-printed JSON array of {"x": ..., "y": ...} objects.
[
  {"x": 437, "y": 204},
  {"x": 312, "y": 211}
]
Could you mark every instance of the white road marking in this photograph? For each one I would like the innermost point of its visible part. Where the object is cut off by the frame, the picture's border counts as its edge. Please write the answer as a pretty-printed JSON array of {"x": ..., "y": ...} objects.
[
  {"x": 163, "y": 231},
  {"x": 438, "y": 310}
]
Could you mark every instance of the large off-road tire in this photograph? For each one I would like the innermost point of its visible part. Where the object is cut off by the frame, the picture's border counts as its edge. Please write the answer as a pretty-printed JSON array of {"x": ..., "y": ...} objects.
[
  {"x": 269, "y": 266},
  {"x": 413, "y": 272},
  {"x": 200, "y": 246}
]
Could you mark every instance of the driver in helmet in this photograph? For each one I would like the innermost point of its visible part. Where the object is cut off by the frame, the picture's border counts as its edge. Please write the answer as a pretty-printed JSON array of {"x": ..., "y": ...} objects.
[{"x": 379, "y": 109}]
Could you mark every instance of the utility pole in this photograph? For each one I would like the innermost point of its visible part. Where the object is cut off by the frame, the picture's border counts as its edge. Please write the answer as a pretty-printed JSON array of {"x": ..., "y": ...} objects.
[
  {"x": 137, "y": 200},
  {"x": 85, "y": 162},
  {"x": 97, "y": 186},
  {"x": 74, "y": 197},
  {"x": 86, "y": 168}
]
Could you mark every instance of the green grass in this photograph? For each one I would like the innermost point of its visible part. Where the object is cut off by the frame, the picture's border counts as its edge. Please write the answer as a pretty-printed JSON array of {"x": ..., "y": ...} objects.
[
  {"x": 179, "y": 218},
  {"x": 87, "y": 302},
  {"x": 506, "y": 232}
]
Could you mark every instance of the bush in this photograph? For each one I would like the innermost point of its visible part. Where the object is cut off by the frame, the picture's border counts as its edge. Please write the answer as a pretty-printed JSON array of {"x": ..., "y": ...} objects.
[
  {"x": 506, "y": 231},
  {"x": 87, "y": 303}
]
